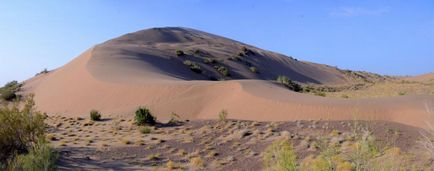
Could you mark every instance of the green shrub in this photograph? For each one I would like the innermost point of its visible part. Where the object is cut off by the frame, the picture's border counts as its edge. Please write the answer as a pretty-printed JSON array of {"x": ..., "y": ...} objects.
[
  {"x": 288, "y": 83},
  {"x": 144, "y": 117},
  {"x": 20, "y": 130},
  {"x": 253, "y": 69},
  {"x": 8, "y": 92},
  {"x": 145, "y": 130},
  {"x": 193, "y": 66},
  {"x": 40, "y": 157},
  {"x": 209, "y": 61},
  {"x": 8, "y": 95},
  {"x": 197, "y": 52},
  {"x": 223, "y": 115},
  {"x": 95, "y": 115},
  {"x": 318, "y": 93},
  {"x": 180, "y": 53},
  {"x": 280, "y": 156},
  {"x": 223, "y": 70}
]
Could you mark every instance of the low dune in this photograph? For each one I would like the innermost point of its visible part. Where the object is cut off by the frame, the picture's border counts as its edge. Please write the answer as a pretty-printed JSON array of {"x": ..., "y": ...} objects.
[{"x": 140, "y": 69}]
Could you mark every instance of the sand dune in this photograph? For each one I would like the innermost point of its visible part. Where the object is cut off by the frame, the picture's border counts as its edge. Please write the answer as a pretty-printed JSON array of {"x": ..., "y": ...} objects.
[{"x": 138, "y": 70}]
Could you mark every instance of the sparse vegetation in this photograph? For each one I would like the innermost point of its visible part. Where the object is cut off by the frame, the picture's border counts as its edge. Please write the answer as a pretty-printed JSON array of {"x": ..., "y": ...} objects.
[
  {"x": 193, "y": 66},
  {"x": 223, "y": 115},
  {"x": 95, "y": 115},
  {"x": 144, "y": 117},
  {"x": 288, "y": 83},
  {"x": 180, "y": 53}
]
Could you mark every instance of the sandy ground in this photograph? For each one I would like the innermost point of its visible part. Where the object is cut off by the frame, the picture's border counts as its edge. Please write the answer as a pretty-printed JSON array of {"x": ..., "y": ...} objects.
[{"x": 118, "y": 144}]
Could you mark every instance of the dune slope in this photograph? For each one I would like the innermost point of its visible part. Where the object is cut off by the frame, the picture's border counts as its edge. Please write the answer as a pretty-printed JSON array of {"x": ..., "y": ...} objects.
[{"x": 140, "y": 69}]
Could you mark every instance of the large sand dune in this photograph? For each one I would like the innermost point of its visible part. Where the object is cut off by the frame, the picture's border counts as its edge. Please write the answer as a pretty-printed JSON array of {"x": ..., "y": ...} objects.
[{"x": 140, "y": 69}]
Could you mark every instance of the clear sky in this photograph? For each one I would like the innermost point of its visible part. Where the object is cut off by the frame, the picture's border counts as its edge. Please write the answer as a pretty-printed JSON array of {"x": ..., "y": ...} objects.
[{"x": 386, "y": 37}]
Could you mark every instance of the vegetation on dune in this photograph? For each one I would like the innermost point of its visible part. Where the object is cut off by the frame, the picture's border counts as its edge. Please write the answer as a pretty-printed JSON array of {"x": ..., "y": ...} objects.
[
  {"x": 95, "y": 115},
  {"x": 193, "y": 66},
  {"x": 180, "y": 53},
  {"x": 222, "y": 70},
  {"x": 144, "y": 117},
  {"x": 45, "y": 71},
  {"x": 289, "y": 83},
  {"x": 8, "y": 92},
  {"x": 209, "y": 61},
  {"x": 22, "y": 140},
  {"x": 253, "y": 69}
]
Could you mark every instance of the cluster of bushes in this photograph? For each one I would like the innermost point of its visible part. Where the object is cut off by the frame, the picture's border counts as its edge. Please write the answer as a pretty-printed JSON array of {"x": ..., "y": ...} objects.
[
  {"x": 95, "y": 115},
  {"x": 364, "y": 154},
  {"x": 222, "y": 70},
  {"x": 289, "y": 83},
  {"x": 22, "y": 140},
  {"x": 8, "y": 92},
  {"x": 193, "y": 66}
]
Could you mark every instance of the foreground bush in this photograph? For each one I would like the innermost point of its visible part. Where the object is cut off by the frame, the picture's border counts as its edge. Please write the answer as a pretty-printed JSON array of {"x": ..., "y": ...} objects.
[
  {"x": 144, "y": 117},
  {"x": 40, "y": 157},
  {"x": 280, "y": 156},
  {"x": 22, "y": 138},
  {"x": 288, "y": 83}
]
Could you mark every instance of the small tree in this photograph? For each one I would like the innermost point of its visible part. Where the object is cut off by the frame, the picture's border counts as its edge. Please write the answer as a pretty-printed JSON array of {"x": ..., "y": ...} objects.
[{"x": 144, "y": 117}]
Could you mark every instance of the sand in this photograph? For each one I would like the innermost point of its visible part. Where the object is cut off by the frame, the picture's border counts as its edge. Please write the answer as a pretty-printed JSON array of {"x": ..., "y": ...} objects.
[{"x": 120, "y": 75}]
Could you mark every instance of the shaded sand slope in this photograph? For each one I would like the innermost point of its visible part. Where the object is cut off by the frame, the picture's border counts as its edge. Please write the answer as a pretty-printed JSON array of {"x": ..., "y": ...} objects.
[
  {"x": 76, "y": 88},
  {"x": 151, "y": 52}
]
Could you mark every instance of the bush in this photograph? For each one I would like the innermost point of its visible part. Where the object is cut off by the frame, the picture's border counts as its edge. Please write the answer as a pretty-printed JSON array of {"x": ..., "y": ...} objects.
[
  {"x": 223, "y": 70},
  {"x": 95, "y": 115},
  {"x": 253, "y": 69},
  {"x": 8, "y": 95},
  {"x": 22, "y": 132},
  {"x": 209, "y": 61},
  {"x": 144, "y": 117},
  {"x": 180, "y": 53},
  {"x": 280, "y": 156},
  {"x": 8, "y": 92},
  {"x": 40, "y": 157},
  {"x": 193, "y": 66},
  {"x": 288, "y": 83},
  {"x": 223, "y": 115}
]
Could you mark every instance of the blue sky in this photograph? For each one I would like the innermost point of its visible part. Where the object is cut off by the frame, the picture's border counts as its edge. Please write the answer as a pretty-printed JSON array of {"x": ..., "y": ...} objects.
[{"x": 386, "y": 37}]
